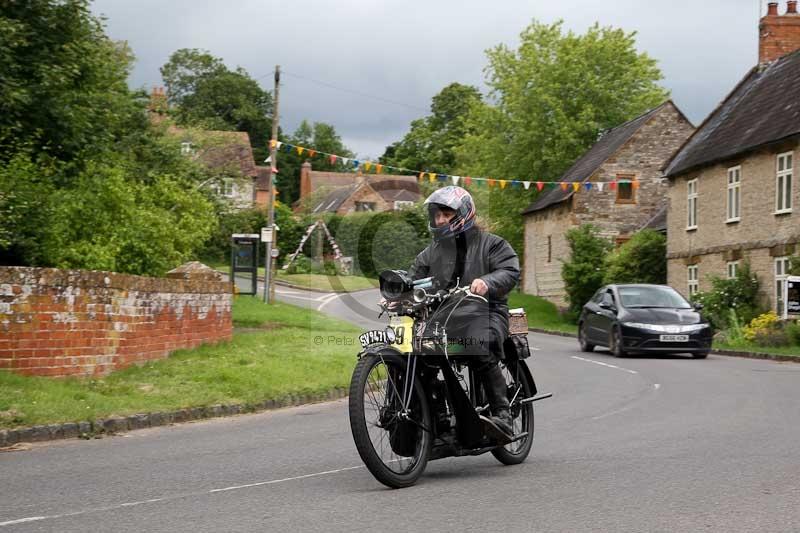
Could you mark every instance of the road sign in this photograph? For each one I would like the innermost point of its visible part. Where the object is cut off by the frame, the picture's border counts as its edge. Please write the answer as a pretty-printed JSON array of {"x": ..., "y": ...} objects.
[
  {"x": 274, "y": 252},
  {"x": 266, "y": 234}
]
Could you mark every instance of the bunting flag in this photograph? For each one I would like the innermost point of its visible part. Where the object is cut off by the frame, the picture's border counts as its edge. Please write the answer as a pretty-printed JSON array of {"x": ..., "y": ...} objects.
[{"x": 465, "y": 181}]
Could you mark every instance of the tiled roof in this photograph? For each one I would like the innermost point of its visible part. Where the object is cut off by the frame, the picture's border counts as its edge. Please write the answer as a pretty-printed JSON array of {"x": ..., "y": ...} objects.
[
  {"x": 262, "y": 177},
  {"x": 335, "y": 199},
  {"x": 763, "y": 108},
  {"x": 589, "y": 162}
]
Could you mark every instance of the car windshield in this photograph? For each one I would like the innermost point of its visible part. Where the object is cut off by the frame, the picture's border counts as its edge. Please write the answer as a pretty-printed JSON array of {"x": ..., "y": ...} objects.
[{"x": 652, "y": 297}]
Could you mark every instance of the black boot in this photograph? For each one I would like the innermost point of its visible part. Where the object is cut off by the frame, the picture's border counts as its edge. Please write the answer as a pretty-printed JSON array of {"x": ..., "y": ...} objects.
[{"x": 498, "y": 425}]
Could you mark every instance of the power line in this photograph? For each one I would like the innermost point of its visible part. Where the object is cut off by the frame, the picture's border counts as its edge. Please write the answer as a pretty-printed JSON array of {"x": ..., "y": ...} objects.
[{"x": 359, "y": 93}]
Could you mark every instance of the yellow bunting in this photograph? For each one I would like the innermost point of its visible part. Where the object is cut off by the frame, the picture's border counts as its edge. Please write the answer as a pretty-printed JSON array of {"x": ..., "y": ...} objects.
[
  {"x": 272, "y": 143},
  {"x": 576, "y": 186},
  {"x": 503, "y": 184},
  {"x": 299, "y": 150},
  {"x": 367, "y": 166},
  {"x": 431, "y": 177}
]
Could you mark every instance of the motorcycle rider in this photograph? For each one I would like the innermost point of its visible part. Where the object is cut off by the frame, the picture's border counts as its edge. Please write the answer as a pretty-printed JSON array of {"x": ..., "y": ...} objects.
[{"x": 463, "y": 254}]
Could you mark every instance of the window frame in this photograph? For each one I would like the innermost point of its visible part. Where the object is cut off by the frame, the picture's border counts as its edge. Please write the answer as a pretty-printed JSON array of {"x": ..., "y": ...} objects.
[
  {"x": 370, "y": 207},
  {"x": 549, "y": 248},
  {"x": 734, "y": 187},
  {"x": 626, "y": 179},
  {"x": 780, "y": 280},
  {"x": 732, "y": 269},
  {"x": 693, "y": 282},
  {"x": 691, "y": 204},
  {"x": 781, "y": 180},
  {"x": 402, "y": 204}
]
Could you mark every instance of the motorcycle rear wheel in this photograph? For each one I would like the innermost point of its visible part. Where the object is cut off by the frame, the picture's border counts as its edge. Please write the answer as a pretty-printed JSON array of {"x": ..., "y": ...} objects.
[
  {"x": 395, "y": 450},
  {"x": 519, "y": 388}
]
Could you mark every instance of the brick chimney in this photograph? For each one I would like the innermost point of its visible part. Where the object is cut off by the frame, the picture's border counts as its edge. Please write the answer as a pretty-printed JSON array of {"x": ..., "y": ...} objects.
[
  {"x": 305, "y": 179},
  {"x": 778, "y": 35}
]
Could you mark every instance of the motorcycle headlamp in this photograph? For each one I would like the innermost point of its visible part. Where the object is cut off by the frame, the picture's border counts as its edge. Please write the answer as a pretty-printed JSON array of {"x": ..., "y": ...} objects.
[{"x": 395, "y": 284}]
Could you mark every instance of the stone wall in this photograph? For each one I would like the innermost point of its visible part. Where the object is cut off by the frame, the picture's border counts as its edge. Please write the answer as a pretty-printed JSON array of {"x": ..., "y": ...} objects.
[
  {"x": 759, "y": 236},
  {"x": 76, "y": 322},
  {"x": 542, "y": 276}
]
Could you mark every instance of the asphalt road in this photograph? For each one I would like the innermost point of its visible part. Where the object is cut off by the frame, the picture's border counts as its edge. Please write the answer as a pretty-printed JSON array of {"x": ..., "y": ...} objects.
[{"x": 635, "y": 444}]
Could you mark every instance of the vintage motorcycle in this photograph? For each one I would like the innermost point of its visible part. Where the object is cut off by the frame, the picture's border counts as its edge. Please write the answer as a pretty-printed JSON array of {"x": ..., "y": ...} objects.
[{"x": 413, "y": 399}]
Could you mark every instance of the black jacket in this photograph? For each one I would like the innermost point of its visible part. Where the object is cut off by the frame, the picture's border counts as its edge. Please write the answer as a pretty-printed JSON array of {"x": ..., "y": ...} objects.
[{"x": 485, "y": 256}]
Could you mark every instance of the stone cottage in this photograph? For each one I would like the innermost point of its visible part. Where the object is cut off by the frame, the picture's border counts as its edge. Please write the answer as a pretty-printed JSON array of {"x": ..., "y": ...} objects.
[
  {"x": 631, "y": 154},
  {"x": 731, "y": 186}
]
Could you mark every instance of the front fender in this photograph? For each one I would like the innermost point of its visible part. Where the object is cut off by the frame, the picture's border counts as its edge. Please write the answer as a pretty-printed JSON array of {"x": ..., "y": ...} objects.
[{"x": 379, "y": 349}]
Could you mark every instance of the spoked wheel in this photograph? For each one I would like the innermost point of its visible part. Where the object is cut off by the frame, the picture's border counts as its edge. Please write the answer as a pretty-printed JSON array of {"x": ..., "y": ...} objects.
[
  {"x": 390, "y": 424},
  {"x": 519, "y": 387}
]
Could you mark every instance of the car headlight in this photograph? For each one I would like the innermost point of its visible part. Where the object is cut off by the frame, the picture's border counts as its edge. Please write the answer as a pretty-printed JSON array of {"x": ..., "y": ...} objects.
[{"x": 661, "y": 328}]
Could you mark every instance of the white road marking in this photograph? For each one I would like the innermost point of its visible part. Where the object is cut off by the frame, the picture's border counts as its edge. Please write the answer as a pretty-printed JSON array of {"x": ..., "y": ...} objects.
[
  {"x": 656, "y": 386},
  {"x": 604, "y": 364},
  {"x": 237, "y": 487},
  {"x": 329, "y": 300},
  {"x": 23, "y": 520},
  {"x": 154, "y": 500}
]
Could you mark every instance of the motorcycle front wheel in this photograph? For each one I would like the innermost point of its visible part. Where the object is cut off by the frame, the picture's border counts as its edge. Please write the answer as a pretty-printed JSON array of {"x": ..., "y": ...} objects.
[{"x": 392, "y": 438}]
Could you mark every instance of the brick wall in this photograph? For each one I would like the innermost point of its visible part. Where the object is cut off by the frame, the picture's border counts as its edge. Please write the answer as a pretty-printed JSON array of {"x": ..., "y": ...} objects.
[
  {"x": 778, "y": 35},
  {"x": 75, "y": 322},
  {"x": 759, "y": 235}
]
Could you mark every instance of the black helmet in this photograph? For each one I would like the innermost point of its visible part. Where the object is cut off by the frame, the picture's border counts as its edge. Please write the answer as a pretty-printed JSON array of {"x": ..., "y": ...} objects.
[{"x": 457, "y": 199}]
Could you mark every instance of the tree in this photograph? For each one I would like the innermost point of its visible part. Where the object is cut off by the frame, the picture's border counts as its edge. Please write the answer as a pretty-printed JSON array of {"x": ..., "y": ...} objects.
[
  {"x": 583, "y": 272},
  {"x": 643, "y": 259},
  {"x": 319, "y": 136},
  {"x": 208, "y": 95},
  {"x": 431, "y": 142},
  {"x": 64, "y": 89},
  {"x": 549, "y": 100}
]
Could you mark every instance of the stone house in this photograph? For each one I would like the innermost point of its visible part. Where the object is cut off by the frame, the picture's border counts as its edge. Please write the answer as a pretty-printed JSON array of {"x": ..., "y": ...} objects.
[
  {"x": 631, "y": 155},
  {"x": 345, "y": 192},
  {"x": 731, "y": 187}
]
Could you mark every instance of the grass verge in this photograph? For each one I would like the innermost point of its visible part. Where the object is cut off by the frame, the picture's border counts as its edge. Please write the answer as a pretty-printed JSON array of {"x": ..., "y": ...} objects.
[
  {"x": 277, "y": 356},
  {"x": 747, "y": 347},
  {"x": 321, "y": 282},
  {"x": 541, "y": 313}
]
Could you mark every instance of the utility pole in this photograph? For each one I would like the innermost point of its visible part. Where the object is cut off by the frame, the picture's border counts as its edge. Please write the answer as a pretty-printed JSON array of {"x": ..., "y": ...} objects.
[{"x": 273, "y": 153}]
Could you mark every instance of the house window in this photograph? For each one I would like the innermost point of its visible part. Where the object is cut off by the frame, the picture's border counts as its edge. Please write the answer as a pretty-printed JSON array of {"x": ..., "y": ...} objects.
[
  {"x": 691, "y": 207},
  {"x": 783, "y": 183},
  {"x": 732, "y": 268},
  {"x": 402, "y": 204},
  {"x": 223, "y": 187},
  {"x": 734, "y": 194},
  {"x": 186, "y": 148},
  {"x": 549, "y": 248},
  {"x": 625, "y": 192},
  {"x": 365, "y": 206},
  {"x": 691, "y": 276},
  {"x": 781, "y": 272}
]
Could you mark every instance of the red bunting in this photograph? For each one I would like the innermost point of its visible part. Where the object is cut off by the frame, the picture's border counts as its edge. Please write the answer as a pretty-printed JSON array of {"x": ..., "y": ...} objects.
[
  {"x": 332, "y": 159},
  {"x": 539, "y": 185},
  {"x": 467, "y": 181},
  {"x": 613, "y": 185}
]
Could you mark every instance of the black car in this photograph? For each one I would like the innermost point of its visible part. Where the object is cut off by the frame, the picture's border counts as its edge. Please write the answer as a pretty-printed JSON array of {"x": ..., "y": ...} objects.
[{"x": 643, "y": 318}]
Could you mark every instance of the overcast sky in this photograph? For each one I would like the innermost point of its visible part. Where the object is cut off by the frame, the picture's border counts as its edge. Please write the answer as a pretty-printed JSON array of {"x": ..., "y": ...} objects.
[{"x": 370, "y": 67}]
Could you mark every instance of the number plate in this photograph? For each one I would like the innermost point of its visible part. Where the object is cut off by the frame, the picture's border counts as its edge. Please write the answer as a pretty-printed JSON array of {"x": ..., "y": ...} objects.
[
  {"x": 674, "y": 338},
  {"x": 403, "y": 329}
]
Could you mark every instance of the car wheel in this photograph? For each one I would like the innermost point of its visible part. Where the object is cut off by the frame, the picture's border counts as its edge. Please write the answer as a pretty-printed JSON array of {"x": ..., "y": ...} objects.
[
  {"x": 699, "y": 355},
  {"x": 585, "y": 346},
  {"x": 615, "y": 345}
]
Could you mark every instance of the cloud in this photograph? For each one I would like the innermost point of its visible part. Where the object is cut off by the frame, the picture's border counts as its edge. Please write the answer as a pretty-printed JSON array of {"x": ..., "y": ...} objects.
[{"x": 406, "y": 52}]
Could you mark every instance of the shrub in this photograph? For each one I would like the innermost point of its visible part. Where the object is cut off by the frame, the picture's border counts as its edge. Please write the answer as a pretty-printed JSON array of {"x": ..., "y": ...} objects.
[
  {"x": 739, "y": 294},
  {"x": 643, "y": 259},
  {"x": 583, "y": 273},
  {"x": 771, "y": 337},
  {"x": 735, "y": 333},
  {"x": 761, "y": 325},
  {"x": 792, "y": 330}
]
